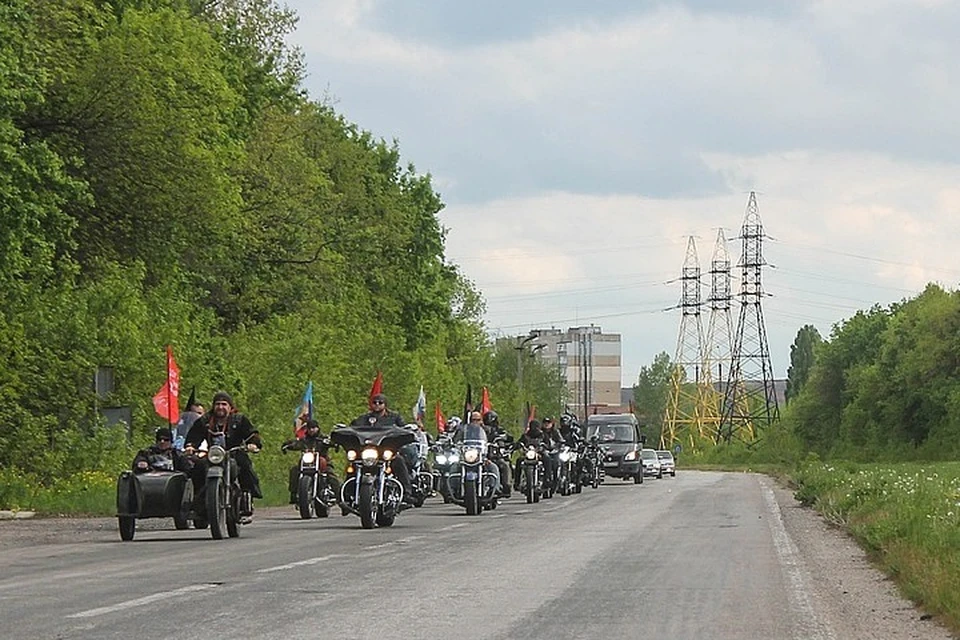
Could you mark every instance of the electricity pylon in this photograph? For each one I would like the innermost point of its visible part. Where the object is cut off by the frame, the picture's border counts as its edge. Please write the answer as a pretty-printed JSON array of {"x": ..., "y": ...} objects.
[
  {"x": 750, "y": 401},
  {"x": 683, "y": 415},
  {"x": 718, "y": 345}
]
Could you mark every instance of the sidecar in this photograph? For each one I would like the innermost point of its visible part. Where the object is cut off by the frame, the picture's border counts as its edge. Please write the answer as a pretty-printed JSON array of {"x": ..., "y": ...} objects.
[{"x": 153, "y": 494}]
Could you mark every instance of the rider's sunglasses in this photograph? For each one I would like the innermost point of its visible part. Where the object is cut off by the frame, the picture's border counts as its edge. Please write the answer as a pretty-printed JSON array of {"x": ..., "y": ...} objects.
[
  {"x": 378, "y": 402},
  {"x": 164, "y": 440}
]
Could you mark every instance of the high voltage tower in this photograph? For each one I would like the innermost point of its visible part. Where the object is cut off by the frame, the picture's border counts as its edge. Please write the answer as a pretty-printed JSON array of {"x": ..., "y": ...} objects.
[
  {"x": 683, "y": 417},
  {"x": 718, "y": 345},
  {"x": 749, "y": 400}
]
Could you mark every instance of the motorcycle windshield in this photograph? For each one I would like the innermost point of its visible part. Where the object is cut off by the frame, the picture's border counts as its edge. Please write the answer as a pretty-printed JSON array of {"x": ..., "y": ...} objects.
[{"x": 474, "y": 434}]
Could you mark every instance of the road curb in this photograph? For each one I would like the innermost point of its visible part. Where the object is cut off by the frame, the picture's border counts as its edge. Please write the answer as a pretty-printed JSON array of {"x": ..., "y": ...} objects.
[{"x": 16, "y": 515}]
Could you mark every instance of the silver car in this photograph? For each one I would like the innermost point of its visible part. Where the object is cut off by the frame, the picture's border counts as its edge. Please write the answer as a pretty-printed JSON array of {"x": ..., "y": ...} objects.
[
  {"x": 651, "y": 463},
  {"x": 667, "y": 463}
]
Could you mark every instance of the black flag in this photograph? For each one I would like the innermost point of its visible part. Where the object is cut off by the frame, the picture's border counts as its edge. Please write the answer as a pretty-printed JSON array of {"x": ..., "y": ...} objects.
[{"x": 468, "y": 405}]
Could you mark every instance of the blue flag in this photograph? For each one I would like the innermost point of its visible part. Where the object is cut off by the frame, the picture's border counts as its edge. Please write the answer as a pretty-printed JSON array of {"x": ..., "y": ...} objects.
[
  {"x": 304, "y": 411},
  {"x": 420, "y": 409}
]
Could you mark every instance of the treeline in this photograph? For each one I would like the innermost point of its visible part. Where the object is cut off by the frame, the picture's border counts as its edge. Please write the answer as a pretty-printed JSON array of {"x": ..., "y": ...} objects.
[
  {"x": 883, "y": 386},
  {"x": 165, "y": 179},
  {"x": 886, "y": 384}
]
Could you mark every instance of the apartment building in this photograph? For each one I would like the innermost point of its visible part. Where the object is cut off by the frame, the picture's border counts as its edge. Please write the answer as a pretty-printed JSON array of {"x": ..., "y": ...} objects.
[{"x": 590, "y": 363}]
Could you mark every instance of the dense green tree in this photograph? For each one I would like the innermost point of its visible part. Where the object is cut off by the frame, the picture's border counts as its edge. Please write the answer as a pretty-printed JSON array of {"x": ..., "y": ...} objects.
[
  {"x": 651, "y": 392},
  {"x": 801, "y": 359}
]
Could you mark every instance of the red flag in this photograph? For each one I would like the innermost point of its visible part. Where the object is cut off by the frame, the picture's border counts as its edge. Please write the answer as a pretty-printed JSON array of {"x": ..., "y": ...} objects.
[
  {"x": 166, "y": 401},
  {"x": 485, "y": 406},
  {"x": 441, "y": 421},
  {"x": 375, "y": 389}
]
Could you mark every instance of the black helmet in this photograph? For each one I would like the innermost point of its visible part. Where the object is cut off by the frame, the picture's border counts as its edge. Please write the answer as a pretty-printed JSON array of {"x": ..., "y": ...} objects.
[
  {"x": 163, "y": 433},
  {"x": 566, "y": 420},
  {"x": 491, "y": 419}
]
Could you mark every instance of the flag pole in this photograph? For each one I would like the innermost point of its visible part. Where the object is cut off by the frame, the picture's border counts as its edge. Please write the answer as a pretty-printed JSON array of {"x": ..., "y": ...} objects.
[{"x": 169, "y": 392}]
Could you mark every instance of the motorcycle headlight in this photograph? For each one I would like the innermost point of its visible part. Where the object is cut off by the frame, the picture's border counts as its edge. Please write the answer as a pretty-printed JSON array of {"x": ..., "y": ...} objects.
[
  {"x": 471, "y": 455},
  {"x": 216, "y": 454},
  {"x": 308, "y": 457},
  {"x": 441, "y": 459},
  {"x": 453, "y": 459},
  {"x": 531, "y": 454},
  {"x": 387, "y": 454},
  {"x": 565, "y": 456},
  {"x": 369, "y": 455},
  {"x": 351, "y": 455},
  {"x": 631, "y": 455}
]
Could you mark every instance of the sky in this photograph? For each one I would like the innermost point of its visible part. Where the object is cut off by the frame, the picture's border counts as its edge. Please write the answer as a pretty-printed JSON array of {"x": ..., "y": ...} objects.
[{"x": 577, "y": 145}]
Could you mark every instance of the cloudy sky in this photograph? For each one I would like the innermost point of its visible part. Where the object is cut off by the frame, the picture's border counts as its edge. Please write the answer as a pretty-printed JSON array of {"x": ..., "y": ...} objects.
[{"x": 578, "y": 144}]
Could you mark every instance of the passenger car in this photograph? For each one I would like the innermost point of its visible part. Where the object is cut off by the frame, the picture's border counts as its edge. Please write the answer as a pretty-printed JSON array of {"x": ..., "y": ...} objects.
[
  {"x": 651, "y": 463},
  {"x": 667, "y": 463}
]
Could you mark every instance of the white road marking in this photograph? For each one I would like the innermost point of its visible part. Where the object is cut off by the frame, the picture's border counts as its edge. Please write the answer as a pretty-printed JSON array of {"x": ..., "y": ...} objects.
[
  {"x": 794, "y": 571},
  {"x": 299, "y": 563},
  {"x": 139, "y": 602},
  {"x": 454, "y": 526}
]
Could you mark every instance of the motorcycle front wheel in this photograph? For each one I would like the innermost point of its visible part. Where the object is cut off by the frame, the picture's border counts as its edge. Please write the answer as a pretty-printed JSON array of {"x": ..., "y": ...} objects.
[
  {"x": 368, "y": 510},
  {"x": 305, "y": 497},
  {"x": 217, "y": 507},
  {"x": 470, "y": 498}
]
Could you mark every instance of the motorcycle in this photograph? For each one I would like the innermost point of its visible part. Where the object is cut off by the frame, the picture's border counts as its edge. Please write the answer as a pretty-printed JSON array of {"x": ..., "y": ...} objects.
[
  {"x": 446, "y": 456},
  {"x": 592, "y": 469},
  {"x": 159, "y": 492},
  {"x": 498, "y": 452},
  {"x": 223, "y": 496},
  {"x": 531, "y": 473},
  {"x": 415, "y": 455},
  {"x": 473, "y": 485},
  {"x": 568, "y": 480},
  {"x": 314, "y": 495},
  {"x": 370, "y": 490}
]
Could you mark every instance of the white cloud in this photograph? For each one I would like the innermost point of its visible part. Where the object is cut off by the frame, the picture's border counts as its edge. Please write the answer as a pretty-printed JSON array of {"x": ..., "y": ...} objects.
[{"x": 575, "y": 159}]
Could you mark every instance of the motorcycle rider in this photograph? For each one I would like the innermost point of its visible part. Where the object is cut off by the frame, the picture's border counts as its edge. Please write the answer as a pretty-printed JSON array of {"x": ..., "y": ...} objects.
[
  {"x": 476, "y": 420},
  {"x": 570, "y": 432},
  {"x": 552, "y": 441},
  {"x": 224, "y": 420},
  {"x": 161, "y": 456},
  {"x": 533, "y": 436},
  {"x": 311, "y": 439},
  {"x": 380, "y": 417},
  {"x": 491, "y": 422}
]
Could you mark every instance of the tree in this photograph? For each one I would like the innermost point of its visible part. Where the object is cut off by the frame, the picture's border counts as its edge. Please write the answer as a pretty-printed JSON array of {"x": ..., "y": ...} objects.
[
  {"x": 801, "y": 359},
  {"x": 652, "y": 390}
]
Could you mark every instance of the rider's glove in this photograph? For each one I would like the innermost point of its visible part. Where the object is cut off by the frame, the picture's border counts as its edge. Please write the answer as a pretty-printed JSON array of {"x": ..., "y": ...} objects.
[{"x": 253, "y": 448}]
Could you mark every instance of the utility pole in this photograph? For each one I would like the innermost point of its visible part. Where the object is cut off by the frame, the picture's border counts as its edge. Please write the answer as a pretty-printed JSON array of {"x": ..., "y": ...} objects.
[
  {"x": 682, "y": 417},
  {"x": 750, "y": 401},
  {"x": 521, "y": 343}
]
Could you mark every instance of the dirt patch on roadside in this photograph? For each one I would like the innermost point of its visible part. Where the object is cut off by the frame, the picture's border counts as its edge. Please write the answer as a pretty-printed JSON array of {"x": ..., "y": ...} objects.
[{"x": 854, "y": 597}]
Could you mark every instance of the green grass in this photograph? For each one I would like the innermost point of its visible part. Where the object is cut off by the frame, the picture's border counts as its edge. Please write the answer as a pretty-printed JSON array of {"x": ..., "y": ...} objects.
[{"x": 907, "y": 516}]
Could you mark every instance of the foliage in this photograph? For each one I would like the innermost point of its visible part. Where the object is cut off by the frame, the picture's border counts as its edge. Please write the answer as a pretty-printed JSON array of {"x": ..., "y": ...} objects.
[
  {"x": 801, "y": 359},
  {"x": 164, "y": 179},
  {"x": 652, "y": 391},
  {"x": 908, "y": 515}
]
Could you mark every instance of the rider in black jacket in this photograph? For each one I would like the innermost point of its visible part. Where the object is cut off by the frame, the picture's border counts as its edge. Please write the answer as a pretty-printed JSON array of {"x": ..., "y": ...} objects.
[
  {"x": 383, "y": 418},
  {"x": 532, "y": 436},
  {"x": 161, "y": 456},
  {"x": 224, "y": 420},
  {"x": 552, "y": 441},
  {"x": 311, "y": 440},
  {"x": 491, "y": 423}
]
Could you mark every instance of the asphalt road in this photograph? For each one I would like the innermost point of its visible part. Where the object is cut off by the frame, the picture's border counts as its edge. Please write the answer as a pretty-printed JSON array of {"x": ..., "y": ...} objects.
[{"x": 702, "y": 555}]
